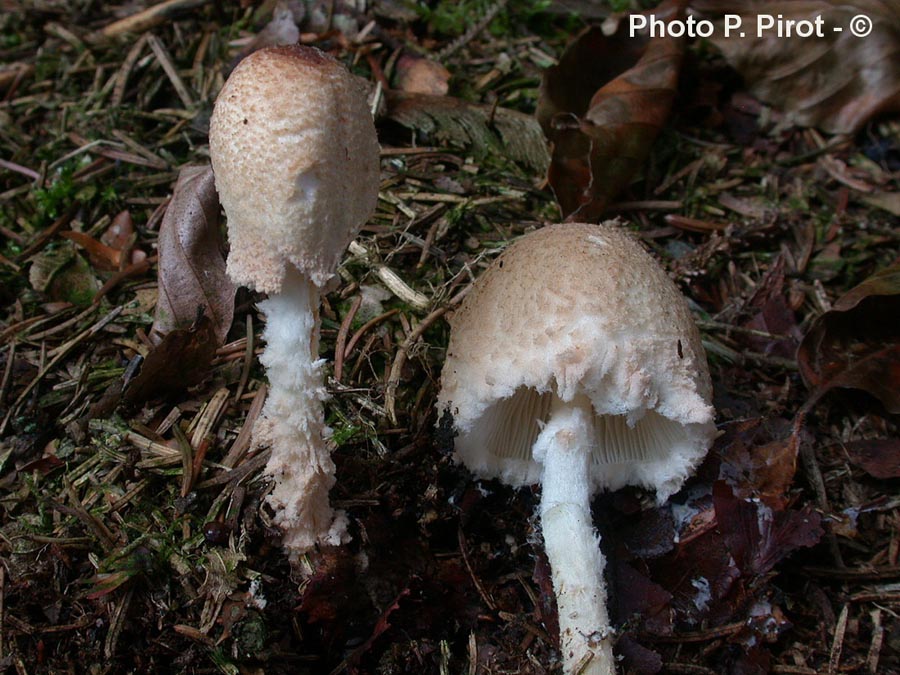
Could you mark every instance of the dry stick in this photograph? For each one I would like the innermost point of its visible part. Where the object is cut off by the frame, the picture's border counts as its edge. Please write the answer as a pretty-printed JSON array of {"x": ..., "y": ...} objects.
[
  {"x": 390, "y": 391},
  {"x": 125, "y": 70},
  {"x": 470, "y": 34},
  {"x": 48, "y": 234},
  {"x": 838, "y": 644},
  {"x": 248, "y": 361},
  {"x": 162, "y": 55},
  {"x": 2, "y": 611},
  {"x": 150, "y": 17},
  {"x": 4, "y": 384},
  {"x": 390, "y": 278},
  {"x": 116, "y": 623},
  {"x": 61, "y": 353},
  {"x": 365, "y": 328},
  {"x": 814, "y": 473},
  {"x": 461, "y": 537},
  {"x": 242, "y": 443},
  {"x": 874, "y": 653},
  {"x": 341, "y": 341}
]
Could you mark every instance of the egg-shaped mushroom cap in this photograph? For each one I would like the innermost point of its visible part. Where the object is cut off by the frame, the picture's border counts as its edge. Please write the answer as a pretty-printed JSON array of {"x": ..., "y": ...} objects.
[
  {"x": 574, "y": 311},
  {"x": 295, "y": 157}
]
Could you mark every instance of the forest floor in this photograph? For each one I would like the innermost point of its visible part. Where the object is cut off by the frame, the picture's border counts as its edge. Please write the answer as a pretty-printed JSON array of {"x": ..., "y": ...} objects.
[{"x": 134, "y": 533}]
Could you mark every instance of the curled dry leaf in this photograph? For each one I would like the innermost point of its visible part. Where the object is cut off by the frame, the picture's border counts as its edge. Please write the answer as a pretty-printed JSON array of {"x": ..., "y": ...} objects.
[
  {"x": 856, "y": 345},
  {"x": 602, "y": 108},
  {"x": 191, "y": 265},
  {"x": 836, "y": 82}
]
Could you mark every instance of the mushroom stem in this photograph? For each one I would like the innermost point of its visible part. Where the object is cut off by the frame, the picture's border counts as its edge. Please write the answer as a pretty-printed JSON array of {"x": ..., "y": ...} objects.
[
  {"x": 293, "y": 418},
  {"x": 570, "y": 540}
]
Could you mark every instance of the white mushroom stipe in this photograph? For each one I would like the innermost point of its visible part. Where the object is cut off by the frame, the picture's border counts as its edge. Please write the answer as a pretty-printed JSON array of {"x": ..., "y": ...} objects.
[
  {"x": 301, "y": 460},
  {"x": 570, "y": 540},
  {"x": 574, "y": 362}
]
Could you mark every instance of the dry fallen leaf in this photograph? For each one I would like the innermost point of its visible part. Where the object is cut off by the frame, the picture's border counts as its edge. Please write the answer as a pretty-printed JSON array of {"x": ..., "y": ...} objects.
[
  {"x": 856, "y": 345},
  {"x": 481, "y": 128},
  {"x": 180, "y": 360},
  {"x": 602, "y": 108},
  {"x": 879, "y": 458},
  {"x": 418, "y": 75},
  {"x": 191, "y": 265},
  {"x": 837, "y": 81}
]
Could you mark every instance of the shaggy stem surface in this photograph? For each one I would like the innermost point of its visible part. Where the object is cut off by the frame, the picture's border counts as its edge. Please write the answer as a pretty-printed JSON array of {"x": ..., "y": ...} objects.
[
  {"x": 571, "y": 543},
  {"x": 293, "y": 419}
]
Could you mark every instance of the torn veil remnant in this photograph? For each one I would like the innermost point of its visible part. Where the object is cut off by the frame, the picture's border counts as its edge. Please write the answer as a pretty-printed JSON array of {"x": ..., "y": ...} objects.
[
  {"x": 575, "y": 363},
  {"x": 295, "y": 157}
]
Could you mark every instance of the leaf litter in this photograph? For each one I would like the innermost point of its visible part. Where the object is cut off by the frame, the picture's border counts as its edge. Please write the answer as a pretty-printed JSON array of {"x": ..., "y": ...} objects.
[{"x": 135, "y": 536}]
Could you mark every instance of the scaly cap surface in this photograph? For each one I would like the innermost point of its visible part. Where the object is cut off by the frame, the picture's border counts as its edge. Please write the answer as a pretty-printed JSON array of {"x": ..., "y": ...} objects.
[
  {"x": 295, "y": 157},
  {"x": 579, "y": 310}
]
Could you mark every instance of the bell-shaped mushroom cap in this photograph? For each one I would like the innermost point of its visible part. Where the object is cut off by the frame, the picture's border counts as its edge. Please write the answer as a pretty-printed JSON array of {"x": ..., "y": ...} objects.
[
  {"x": 570, "y": 311},
  {"x": 295, "y": 156}
]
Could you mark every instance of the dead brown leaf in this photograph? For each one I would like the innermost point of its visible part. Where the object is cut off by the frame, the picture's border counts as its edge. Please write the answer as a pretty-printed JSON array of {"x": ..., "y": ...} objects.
[
  {"x": 418, "y": 75},
  {"x": 856, "y": 345},
  {"x": 482, "y": 129},
  {"x": 180, "y": 360},
  {"x": 754, "y": 465},
  {"x": 878, "y": 458},
  {"x": 836, "y": 82},
  {"x": 602, "y": 108},
  {"x": 191, "y": 265}
]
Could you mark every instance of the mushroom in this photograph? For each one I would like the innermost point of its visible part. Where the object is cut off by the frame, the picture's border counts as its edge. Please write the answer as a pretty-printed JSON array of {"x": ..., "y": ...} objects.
[
  {"x": 574, "y": 363},
  {"x": 296, "y": 163}
]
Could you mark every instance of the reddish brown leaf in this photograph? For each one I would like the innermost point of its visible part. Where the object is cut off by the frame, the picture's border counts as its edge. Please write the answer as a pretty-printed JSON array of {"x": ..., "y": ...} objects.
[
  {"x": 758, "y": 537},
  {"x": 856, "y": 345},
  {"x": 638, "y": 595},
  {"x": 773, "y": 316},
  {"x": 191, "y": 265},
  {"x": 602, "y": 108},
  {"x": 418, "y": 75},
  {"x": 754, "y": 465},
  {"x": 878, "y": 458},
  {"x": 181, "y": 359},
  {"x": 836, "y": 81}
]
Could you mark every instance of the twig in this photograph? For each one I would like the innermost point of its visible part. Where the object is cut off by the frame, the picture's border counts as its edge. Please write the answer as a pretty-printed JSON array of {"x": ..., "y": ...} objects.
[
  {"x": 248, "y": 361},
  {"x": 49, "y": 233},
  {"x": 341, "y": 341},
  {"x": 470, "y": 34},
  {"x": 391, "y": 279},
  {"x": 874, "y": 653},
  {"x": 837, "y": 644},
  {"x": 814, "y": 473},
  {"x": 488, "y": 600},
  {"x": 162, "y": 55},
  {"x": 390, "y": 392},
  {"x": 142, "y": 21},
  {"x": 242, "y": 443},
  {"x": 365, "y": 328}
]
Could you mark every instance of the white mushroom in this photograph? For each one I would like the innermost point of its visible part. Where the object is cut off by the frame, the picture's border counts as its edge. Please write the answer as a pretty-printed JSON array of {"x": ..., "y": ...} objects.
[
  {"x": 574, "y": 362},
  {"x": 295, "y": 157}
]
